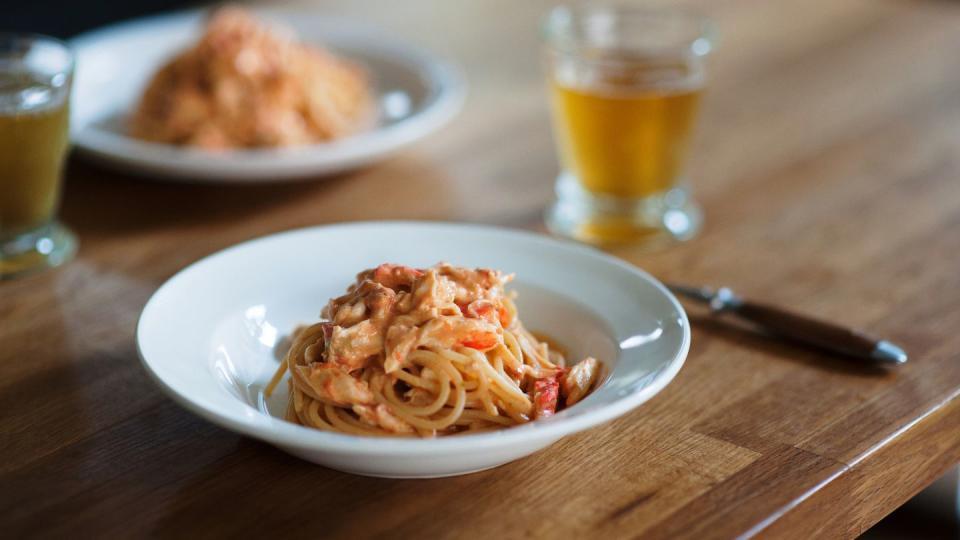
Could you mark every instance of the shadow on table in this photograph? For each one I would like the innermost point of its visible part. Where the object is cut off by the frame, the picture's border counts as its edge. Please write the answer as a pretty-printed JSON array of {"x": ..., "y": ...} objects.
[
  {"x": 291, "y": 497},
  {"x": 742, "y": 335},
  {"x": 931, "y": 514},
  {"x": 97, "y": 199}
]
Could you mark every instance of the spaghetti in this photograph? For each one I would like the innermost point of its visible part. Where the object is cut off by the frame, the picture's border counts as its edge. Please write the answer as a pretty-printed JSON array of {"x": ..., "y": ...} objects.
[
  {"x": 249, "y": 84},
  {"x": 425, "y": 352}
]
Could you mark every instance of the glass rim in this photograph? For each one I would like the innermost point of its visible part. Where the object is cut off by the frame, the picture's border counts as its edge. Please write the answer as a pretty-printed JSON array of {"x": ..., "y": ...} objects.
[
  {"x": 561, "y": 40},
  {"x": 70, "y": 55}
]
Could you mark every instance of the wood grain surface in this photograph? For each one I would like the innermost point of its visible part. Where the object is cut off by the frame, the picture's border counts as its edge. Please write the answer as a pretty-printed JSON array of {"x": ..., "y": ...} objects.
[{"x": 829, "y": 170}]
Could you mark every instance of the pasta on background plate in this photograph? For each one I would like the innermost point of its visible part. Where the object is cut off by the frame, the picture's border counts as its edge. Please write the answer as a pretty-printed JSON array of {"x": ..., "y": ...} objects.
[{"x": 246, "y": 84}]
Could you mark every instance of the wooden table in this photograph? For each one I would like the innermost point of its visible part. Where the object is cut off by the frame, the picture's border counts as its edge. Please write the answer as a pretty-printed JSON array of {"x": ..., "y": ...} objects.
[{"x": 828, "y": 167}]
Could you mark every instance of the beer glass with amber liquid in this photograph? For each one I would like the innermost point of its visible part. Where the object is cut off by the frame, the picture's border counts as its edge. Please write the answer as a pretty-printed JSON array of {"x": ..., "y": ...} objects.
[
  {"x": 625, "y": 86},
  {"x": 35, "y": 78}
]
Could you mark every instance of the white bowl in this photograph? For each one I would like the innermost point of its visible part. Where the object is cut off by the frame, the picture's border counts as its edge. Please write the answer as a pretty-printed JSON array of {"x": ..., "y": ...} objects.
[
  {"x": 208, "y": 335},
  {"x": 417, "y": 94}
]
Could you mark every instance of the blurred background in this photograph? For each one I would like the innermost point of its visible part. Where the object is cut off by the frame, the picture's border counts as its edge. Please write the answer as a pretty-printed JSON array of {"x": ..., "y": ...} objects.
[
  {"x": 933, "y": 514},
  {"x": 64, "y": 19}
]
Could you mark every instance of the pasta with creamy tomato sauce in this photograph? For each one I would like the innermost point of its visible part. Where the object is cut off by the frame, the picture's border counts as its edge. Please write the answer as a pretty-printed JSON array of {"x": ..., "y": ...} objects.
[
  {"x": 426, "y": 352},
  {"x": 248, "y": 83}
]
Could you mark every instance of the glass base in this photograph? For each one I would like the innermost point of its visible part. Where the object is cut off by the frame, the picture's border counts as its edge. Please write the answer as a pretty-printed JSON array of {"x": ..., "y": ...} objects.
[
  {"x": 48, "y": 246},
  {"x": 652, "y": 221}
]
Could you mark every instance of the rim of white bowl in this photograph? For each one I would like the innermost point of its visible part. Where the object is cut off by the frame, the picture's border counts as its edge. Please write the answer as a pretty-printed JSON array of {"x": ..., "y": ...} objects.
[{"x": 281, "y": 432}]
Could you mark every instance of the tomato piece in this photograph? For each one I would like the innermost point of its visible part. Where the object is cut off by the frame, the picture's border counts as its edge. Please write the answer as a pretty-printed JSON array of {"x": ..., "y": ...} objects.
[
  {"x": 482, "y": 309},
  {"x": 545, "y": 395},
  {"x": 480, "y": 341},
  {"x": 504, "y": 315}
]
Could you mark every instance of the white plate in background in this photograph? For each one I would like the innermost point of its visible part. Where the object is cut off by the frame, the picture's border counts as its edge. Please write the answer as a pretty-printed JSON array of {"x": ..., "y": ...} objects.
[
  {"x": 417, "y": 94},
  {"x": 208, "y": 335}
]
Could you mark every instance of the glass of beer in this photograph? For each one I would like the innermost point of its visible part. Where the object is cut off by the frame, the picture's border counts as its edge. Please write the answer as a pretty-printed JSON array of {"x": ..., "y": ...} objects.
[
  {"x": 35, "y": 78},
  {"x": 625, "y": 84}
]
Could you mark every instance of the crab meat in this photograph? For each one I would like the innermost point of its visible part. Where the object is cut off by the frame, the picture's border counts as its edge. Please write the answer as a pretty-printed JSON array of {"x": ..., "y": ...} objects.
[
  {"x": 365, "y": 297},
  {"x": 437, "y": 334},
  {"x": 545, "y": 394},
  {"x": 379, "y": 301},
  {"x": 579, "y": 379},
  {"x": 352, "y": 347},
  {"x": 395, "y": 276},
  {"x": 381, "y": 415},
  {"x": 482, "y": 309},
  {"x": 332, "y": 384},
  {"x": 350, "y": 314},
  {"x": 433, "y": 293},
  {"x": 471, "y": 284},
  {"x": 450, "y": 332},
  {"x": 401, "y": 339}
]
